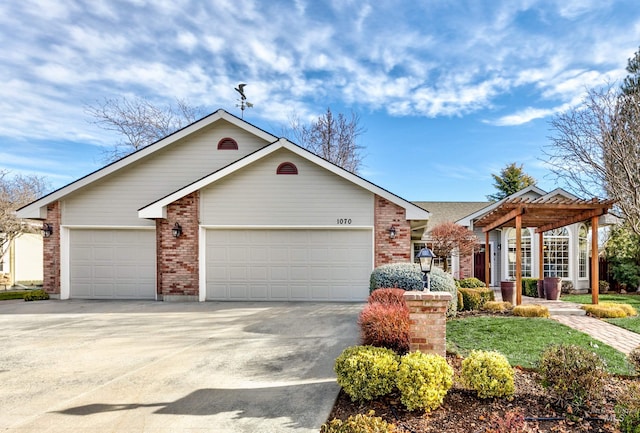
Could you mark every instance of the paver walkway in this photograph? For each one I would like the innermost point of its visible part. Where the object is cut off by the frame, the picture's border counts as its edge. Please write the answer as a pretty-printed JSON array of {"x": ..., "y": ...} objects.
[{"x": 570, "y": 314}]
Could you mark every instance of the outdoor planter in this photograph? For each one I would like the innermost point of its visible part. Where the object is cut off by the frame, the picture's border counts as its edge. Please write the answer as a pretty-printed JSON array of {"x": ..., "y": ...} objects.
[
  {"x": 508, "y": 291},
  {"x": 552, "y": 288},
  {"x": 541, "y": 289}
]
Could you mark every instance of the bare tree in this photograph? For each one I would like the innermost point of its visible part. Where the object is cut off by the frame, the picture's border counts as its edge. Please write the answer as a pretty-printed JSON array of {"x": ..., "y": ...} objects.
[
  {"x": 139, "y": 122},
  {"x": 595, "y": 149},
  {"x": 333, "y": 138},
  {"x": 16, "y": 192},
  {"x": 449, "y": 239}
]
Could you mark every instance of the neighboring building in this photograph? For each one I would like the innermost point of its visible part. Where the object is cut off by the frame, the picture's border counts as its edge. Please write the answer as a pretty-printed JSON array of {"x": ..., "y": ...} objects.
[
  {"x": 565, "y": 251},
  {"x": 256, "y": 218},
  {"x": 22, "y": 262}
]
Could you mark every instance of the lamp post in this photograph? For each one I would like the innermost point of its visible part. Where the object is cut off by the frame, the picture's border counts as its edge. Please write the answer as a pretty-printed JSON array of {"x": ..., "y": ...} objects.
[{"x": 426, "y": 257}]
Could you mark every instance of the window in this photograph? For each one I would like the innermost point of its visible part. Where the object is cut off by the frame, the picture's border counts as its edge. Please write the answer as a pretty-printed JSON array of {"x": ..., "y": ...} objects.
[
  {"x": 438, "y": 262},
  {"x": 287, "y": 168},
  {"x": 526, "y": 253},
  {"x": 227, "y": 144},
  {"x": 556, "y": 253},
  {"x": 583, "y": 252}
]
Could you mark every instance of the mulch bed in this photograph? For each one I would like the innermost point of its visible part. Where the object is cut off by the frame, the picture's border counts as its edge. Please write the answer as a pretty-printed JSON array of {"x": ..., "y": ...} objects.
[{"x": 463, "y": 412}]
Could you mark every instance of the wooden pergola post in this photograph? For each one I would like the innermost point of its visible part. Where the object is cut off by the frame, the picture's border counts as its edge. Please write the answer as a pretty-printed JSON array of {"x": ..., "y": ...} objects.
[
  {"x": 541, "y": 255},
  {"x": 487, "y": 258},
  {"x": 518, "y": 259},
  {"x": 595, "y": 277}
]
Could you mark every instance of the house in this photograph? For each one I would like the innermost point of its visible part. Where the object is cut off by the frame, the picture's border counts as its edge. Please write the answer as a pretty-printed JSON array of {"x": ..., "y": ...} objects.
[
  {"x": 566, "y": 250},
  {"x": 21, "y": 263},
  {"x": 222, "y": 210}
]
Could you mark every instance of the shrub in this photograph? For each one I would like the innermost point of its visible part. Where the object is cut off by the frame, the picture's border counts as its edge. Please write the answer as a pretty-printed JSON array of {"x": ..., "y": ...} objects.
[
  {"x": 532, "y": 310},
  {"x": 486, "y": 295},
  {"x": 388, "y": 297},
  {"x": 488, "y": 373},
  {"x": 358, "y": 424},
  {"x": 513, "y": 421},
  {"x": 530, "y": 287},
  {"x": 628, "y": 409},
  {"x": 460, "y": 300},
  {"x": 573, "y": 374},
  {"x": 385, "y": 325},
  {"x": 634, "y": 358},
  {"x": 567, "y": 287},
  {"x": 442, "y": 281},
  {"x": 366, "y": 372},
  {"x": 628, "y": 309},
  {"x": 604, "y": 311},
  {"x": 497, "y": 306},
  {"x": 405, "y": 276},
  {"x": 472, "y": 283},
  {"x": 474, "y": 299},
  {"x": 423, "y": 380},
  {"x": 603, "y": 286},
  {"x": 36, "y": 295}
]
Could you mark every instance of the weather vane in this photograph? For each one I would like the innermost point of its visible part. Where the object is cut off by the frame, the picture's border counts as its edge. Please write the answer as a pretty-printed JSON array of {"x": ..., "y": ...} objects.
[{"x": 243, "y": 99}]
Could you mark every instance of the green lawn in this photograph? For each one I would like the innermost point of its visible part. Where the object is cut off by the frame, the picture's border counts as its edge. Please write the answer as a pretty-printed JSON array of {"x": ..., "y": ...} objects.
[
  {"x": 522, "y": 340},
  {"x": 630, "y": 323}
]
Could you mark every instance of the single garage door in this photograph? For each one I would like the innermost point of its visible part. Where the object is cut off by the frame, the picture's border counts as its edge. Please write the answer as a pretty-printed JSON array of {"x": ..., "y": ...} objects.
[
  {"x": 112, "y": 264},
  {"x": 289, "y": 265}
]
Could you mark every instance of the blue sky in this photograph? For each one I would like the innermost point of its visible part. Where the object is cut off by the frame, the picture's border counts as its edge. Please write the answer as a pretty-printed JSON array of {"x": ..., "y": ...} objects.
[{"x": 448, "y": 91}]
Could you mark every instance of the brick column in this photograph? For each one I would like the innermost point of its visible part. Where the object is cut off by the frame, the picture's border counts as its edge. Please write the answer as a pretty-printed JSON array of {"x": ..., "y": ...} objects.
[
  {"x": 428, "y": 321},
  {"x": 51, "y": 252},
  {"x": 398, "y": 249},
  {"x": 178, "y": 266}
]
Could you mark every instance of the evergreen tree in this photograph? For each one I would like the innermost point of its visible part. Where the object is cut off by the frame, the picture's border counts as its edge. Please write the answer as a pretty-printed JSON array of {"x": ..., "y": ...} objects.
[{"x": 511, "y": 179}]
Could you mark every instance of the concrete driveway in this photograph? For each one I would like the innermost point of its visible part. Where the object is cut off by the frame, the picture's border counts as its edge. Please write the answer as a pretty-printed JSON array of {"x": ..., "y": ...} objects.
[{"x": 143, "y": 366}]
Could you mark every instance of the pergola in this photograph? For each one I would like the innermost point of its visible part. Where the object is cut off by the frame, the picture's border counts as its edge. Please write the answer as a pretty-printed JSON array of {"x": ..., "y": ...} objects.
[{"x": 544, "y": 214}]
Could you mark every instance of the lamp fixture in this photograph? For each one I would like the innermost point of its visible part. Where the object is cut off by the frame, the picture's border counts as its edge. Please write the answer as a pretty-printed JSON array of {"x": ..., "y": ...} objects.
[
  {"x": 176, "y": 230},
  {"x": 426, "y": 257},
  {"x": 392, "y": 232},
  {"x": 47, "y": 230}
]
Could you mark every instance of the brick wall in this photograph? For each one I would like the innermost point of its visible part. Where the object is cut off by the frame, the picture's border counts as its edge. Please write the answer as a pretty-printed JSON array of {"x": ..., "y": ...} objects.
[
  {"x": 428, "y": 321},
  {"x": 178, "y": 270},
  {"x": 466, "y": 266},
  {"x": 387, "y": 250},
  {"x": 51, "y": 251}
]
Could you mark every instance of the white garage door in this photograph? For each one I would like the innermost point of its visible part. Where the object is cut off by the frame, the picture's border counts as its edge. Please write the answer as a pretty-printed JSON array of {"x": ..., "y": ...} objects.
[
  {"x": 112, "y": 264},
  {"x": 289, "y": 265}
]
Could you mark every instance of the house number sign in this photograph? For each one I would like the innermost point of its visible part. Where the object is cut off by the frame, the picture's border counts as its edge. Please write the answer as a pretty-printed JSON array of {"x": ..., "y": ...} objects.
[{"x": 343, "y": 221}]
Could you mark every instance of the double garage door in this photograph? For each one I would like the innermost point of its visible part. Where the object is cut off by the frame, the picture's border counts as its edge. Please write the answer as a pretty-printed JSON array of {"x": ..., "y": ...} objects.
[
  {"x": 112, "y": 264},
  {"x": 288, "y": 265}
]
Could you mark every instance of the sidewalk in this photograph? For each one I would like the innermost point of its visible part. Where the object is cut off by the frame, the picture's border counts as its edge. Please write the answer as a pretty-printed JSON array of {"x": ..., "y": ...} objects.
[{"x": 570, "y": 314}]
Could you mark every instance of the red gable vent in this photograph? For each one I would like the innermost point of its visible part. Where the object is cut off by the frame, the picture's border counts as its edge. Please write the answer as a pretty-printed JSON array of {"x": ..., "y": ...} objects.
[
  {"x": 227, "y": 144},
  {"x": 287, "y": 168}
]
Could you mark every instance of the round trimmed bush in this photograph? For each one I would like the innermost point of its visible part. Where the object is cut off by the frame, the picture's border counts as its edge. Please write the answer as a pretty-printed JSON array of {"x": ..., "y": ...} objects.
[
  {"x": 358, "y": 423},
  {"x": 423, "y": 380},
  {"x": 366, "y": 372},
  {"x": 488, "y": 373},
  {"x": 442, "y": 281},
  {"x": 388, "y": 297},
  {"x": 406, "y": 276},
  {"x": 472, "y": 283},
  {"x": 385, "y": 325}
]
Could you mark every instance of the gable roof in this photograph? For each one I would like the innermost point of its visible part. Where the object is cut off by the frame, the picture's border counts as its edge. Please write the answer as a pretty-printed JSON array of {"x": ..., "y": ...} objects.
[
  {"x": 445, "y": 211},
  {"x": 37, "y": 208},
  {"x": 158, "y": 208}
]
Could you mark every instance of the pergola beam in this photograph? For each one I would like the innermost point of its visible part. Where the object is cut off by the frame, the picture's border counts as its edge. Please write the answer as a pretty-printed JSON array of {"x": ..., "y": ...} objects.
[
  {"x": 504, "y": 219},
  {"x": 583, "y": 216}
]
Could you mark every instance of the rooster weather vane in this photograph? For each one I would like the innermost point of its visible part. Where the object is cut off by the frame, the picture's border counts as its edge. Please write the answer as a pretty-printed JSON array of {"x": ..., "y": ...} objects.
[{"x": 243, "y": 99}]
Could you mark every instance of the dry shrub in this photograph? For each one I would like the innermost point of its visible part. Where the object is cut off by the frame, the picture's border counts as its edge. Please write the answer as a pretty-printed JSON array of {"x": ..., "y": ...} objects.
[
  {"x": 628, "y": 309},
  {"x": 605, "y": 311},
  {"x": 388, "y": 297},
  {"x": 383, "y": 325},
  {"x": 497, "y": 306},
  {"x": 532, "y": 310}
]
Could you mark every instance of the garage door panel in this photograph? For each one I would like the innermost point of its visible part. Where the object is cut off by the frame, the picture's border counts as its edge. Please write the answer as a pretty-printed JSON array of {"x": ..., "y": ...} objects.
[
  {"x": 304, "y": 264},
  {"x": 112, "y": 264}
]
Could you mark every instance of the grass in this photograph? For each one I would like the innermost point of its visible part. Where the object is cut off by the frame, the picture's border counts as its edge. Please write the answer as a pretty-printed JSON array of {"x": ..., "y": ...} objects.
[
  {"x": 522, "y": 340},
  {"x": 13, "y": 294},
  {"x": 630, "y": 323}
]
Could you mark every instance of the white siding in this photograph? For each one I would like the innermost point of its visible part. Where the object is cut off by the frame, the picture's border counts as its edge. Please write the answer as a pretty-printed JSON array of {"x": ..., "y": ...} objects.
[
  {"x": 115, "y": 200},
  {"x": 256, "y": 195},
  {"x": 28, "y": 258}
]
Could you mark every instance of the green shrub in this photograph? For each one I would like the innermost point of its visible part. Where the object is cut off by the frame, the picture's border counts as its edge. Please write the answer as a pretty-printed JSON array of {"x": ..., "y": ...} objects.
[
  {"x": 634, "y": 358},
  {"x": 442, "y": 281},
  {"x": 603, "y": 286},
  {"x": 605, "y": 311},
  {"x": 497, "y": 306},
  {"x": 628, "y": 409},
  {"x": 388, "y": 297},
  {"x": 488, "y": 373},
  {"x": 358, "y": 424},
  {"x": 460, "y": 300},
  {"x": 385, "y": 325},
  {"x": 573, "y": 374},
  {"x": 36, "y": 295},
  {"x": 530, "y": 287},
  {"x": 366, "y": 372},
  {"x": 486, "y": 295},
  {"x": 531, "y": 310},
  {"x": 423, "y": 380},
  {"x": 472, "y": 283},
  {"x": 474, "y": 299},
  {"x": 405, "y": 276}
]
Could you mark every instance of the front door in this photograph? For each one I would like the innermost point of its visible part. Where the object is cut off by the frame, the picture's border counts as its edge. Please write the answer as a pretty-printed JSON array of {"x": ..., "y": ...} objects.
[{"x": 479, "y": 263}]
